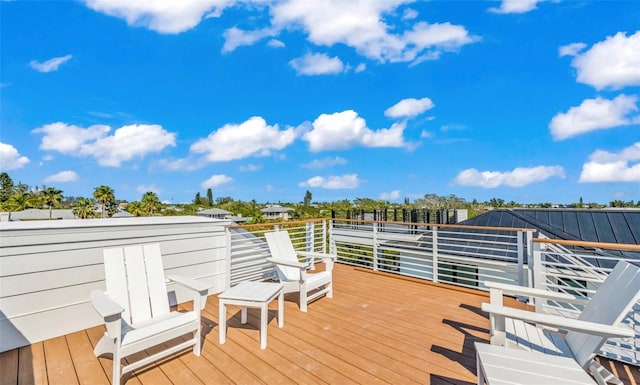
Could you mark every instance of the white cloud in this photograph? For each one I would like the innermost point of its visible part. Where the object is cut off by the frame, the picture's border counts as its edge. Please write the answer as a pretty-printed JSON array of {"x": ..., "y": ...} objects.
[
  {"x": 275, "y": 43},
  {"x": 250, "y": 168},
  {"x": 409, "y": 14},
  {"x": 317, "y": 64},
  {"x": 595, "y": 114},
  {"x": 237, "y": 141},
  {"x": 409, "y": 108},
  {"x": 605, "y": 166},
  {"x": 613, "y": 63},
  {"x": 324, "y": 163},
  {"x": 390, "y": 196},
  {"x": 518, "y": 177},
  {"x": 163, "y": 16},
  {"x": 126, "y": 143},
  {"x": 10, "y": 158},
  {"x": 426, "y": 134},
  {"x": 62, "y": 177},
  {"x": 343, "y": 130},
  {"x": 236, "y": 37},
  {"x": 362, "y": 26},
  {"x": 347, "y": 181},
  {"x": 216, "y": 181},
  {"x": 571, "y": 49},
  {"x": 360, "y": 68},
  {"x": 516, "y": 6},
  {"x": 142, "y": 189},
  {"x": 49, "y": 65}
]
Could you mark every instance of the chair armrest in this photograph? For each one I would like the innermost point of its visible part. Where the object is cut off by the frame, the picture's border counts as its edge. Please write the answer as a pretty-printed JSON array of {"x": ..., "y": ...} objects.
[
  {"x": 536, "y": 293},
  {"x": 105, "y": 306},
  {"x": 299, "y": 265},
  {"x": 602, "y": 330},
  {"x": 190, "y": 283}
]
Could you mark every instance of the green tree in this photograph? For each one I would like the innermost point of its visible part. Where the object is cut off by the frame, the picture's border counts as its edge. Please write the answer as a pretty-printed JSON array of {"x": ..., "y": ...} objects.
[
  {"x": 135, "y": 208},
  {"x": 209, "y": 197},
  {"x": 6, "y": 187},
  {"x": 150, "y": 202},
  {"x": 307, "y": 198},
  {"x": 84, "y": 208},
  {"x": 104, "y": 195},
  {"x": 51, "y": 197}
]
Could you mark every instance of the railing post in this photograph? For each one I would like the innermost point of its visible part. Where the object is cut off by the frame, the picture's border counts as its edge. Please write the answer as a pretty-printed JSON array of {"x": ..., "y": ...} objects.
[
  {"x": 375, "y": 246},
  {"x": 227, "y": 278},
  {"x": 529, "y": 244},
  {"x": 324, "y": 236},
  {"x": 435, "y": 253},
  {"x": 539, "y": 280},
  {"x": 519, "y": 240}
]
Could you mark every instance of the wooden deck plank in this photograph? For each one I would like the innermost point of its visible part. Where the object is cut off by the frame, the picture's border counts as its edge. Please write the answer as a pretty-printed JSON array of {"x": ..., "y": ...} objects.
[
  {"x": 32, "y": 367},
  {"x": 60, "y": 369},
  {"x": 87, "y": 366},
  {"x": 9, "y": 367},
  {"x": 378, "y": 329}
]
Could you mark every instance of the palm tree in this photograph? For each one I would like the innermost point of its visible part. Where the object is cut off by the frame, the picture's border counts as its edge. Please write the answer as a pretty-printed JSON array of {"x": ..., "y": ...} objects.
[
  {"x": 150, "y": 202},
  {"x": 51, "y": 197},
  {"x": 135, "y": 208},
  {"x": 84, "y": 208},
  {"x": 22, "y": 200},
  {"x": 104, "y": 195}
]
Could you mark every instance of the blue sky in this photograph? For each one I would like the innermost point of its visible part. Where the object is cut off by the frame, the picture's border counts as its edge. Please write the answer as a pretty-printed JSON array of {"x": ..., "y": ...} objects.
[{"x": 531, "y": 101}]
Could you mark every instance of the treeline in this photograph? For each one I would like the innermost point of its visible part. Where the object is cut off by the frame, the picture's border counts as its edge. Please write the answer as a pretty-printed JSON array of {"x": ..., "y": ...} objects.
[{"x": 103, "y": 203}]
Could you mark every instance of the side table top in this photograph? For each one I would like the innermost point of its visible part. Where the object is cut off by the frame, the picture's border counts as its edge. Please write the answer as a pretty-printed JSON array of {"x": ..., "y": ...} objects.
[{"x": 252, "y": 291}]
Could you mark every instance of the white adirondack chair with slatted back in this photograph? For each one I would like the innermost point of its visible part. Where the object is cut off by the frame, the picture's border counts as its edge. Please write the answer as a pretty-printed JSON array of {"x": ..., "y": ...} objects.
[
  {"x": 135, "y": 308},
  {"x": 599, "y": 320},
  {"x": 294, "y": 274}
]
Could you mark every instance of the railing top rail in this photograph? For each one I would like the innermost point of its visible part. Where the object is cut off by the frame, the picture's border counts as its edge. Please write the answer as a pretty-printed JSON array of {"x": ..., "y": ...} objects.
[
  {"x": 469, "y": 227},
  {"x": 600, "y": 245},
  {"x": 266, "y": 224}
]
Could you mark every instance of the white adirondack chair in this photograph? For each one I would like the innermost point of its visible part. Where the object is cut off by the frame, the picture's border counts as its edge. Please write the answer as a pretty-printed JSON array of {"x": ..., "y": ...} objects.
[
  {"x": 584, "y": 336},
  {"x": 294, "y": 274},
  {"x": 136, "y": 311}
]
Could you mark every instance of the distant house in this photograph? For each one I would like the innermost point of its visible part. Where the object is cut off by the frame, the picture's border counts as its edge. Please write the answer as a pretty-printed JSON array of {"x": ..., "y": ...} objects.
[
  {"x": 276, "y": 212},
  {"x": 222, "y": 214},
  {"x": 215, "y": 213}
]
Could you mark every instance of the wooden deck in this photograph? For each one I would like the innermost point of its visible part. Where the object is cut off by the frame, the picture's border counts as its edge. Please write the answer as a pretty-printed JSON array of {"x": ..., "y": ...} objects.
[{"x": 378, "y": 329}]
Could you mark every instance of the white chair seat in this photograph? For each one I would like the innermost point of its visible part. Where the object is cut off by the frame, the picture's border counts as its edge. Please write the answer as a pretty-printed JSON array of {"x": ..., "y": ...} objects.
[
  {"x": 527, "y": 336},
  {"x": 149, "y": 329}
]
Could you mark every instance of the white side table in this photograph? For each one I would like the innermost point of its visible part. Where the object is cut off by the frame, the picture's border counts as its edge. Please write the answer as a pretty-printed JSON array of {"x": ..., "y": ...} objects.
[
  {"x": 498, "y": 365},
  {"x": 251, "y": 294}
]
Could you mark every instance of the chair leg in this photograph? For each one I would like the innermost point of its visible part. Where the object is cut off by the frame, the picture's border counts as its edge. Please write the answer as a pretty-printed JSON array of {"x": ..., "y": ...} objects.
[
  {"x": 196, "y": 336},
  {"x": 115, "y": 379},
  {"x": 330, "y": 290},
  {"x": 303, "y": 300}
]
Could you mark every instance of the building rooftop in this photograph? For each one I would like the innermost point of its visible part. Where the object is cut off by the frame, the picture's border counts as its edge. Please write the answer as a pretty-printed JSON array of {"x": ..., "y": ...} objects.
[{"x": 378, "y": 329}]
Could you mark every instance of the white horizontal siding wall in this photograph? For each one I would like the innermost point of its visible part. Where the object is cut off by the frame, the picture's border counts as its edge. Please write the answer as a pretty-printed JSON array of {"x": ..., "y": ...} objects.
[{"x": 49, "y": 268}]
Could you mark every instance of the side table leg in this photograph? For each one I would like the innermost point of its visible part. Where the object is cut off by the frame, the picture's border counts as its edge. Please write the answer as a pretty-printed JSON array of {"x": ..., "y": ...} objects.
[
  {"x": 243, "y": 315},
  {"x": 281, "y": 309},
  {"x": 264, "y": 315},
  {"x": 222, "y": 320}
]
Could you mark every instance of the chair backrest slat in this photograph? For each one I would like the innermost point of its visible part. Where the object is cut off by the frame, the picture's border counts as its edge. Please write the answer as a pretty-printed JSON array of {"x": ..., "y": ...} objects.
[
  {"x": 116, "y": 279},
  {"x": 281, "y": 247},
  {"x": 137, "y": 284},
  {"x": 609, "y": 305},
  {"x": 156, "y": 280}
]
